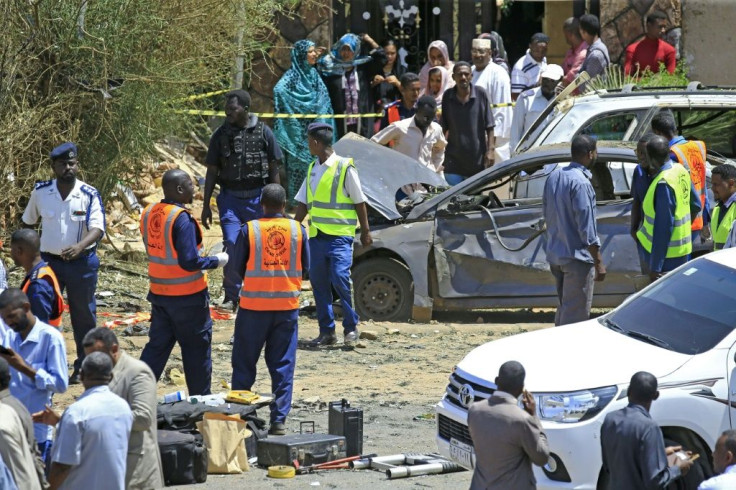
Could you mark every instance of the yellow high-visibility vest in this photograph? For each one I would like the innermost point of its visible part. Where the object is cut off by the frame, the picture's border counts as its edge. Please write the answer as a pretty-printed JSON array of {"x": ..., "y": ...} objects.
[
  {"x": 680, "y": 243},
  {"x": 722, "y": 229},
  {"x": 330, "y": 210}
]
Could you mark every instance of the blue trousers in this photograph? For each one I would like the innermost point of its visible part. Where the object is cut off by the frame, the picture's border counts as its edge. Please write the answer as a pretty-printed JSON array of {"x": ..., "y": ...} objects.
[
  {"x": 79, "y": 278},
  {"x": 277, "y": 330},
  {"x": 192, "y": 328},
  {"x": 234, "y": 212},
  {"x": 454, "y": 179},
  {"x": 330, "y": 259}
]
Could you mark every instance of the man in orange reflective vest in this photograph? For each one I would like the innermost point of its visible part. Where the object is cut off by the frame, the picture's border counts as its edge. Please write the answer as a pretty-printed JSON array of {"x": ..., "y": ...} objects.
[
  {"x": 270, "y": 254},
  {"x": 405, "y": 107},
  {"x": 690, "y": 154},
  {"x": 180, "y": 302},
  {"x": 40, "y": 283}
]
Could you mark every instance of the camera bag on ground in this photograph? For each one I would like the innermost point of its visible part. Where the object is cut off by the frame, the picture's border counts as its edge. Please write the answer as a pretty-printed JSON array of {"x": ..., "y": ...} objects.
[{"x": 183, "y": 457}]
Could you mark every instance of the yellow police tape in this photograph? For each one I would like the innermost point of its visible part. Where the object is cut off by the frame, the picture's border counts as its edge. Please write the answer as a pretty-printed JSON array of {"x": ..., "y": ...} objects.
[{"x": 272, "y": 115}]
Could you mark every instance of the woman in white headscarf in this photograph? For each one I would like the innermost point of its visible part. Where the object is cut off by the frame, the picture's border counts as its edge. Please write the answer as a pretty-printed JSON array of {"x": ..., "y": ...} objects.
[{"x": 437, "y": 55}]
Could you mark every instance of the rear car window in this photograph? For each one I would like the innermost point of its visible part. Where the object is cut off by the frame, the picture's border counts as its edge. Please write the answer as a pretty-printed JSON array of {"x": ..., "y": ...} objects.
[{"x": 717, "y": 127}]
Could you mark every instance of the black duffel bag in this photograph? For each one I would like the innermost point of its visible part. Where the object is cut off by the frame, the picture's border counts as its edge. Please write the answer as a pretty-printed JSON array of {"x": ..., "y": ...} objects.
[
  {"x": 183, "y": 415},
  {"x": 183, "y": 457}
]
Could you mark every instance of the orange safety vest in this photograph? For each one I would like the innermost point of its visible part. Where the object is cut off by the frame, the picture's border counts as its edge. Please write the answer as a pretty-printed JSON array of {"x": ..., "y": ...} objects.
[
  {"x": 273, "y": 274},
  {"x": 57, "y": 308},
  {"x": 393, "y": 113},
  {"x": 164, "y": 273},
  {"x": 692, "y": 155}
]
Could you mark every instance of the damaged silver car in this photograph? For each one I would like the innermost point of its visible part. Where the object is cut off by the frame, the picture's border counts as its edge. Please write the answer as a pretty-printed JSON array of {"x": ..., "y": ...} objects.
[{"x": 479, "y": 244}]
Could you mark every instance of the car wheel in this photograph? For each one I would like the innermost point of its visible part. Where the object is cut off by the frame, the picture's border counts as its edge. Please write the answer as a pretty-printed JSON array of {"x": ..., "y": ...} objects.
[
  {"x": 699, "y": 471},
  {"x": 384, "y": 290}
]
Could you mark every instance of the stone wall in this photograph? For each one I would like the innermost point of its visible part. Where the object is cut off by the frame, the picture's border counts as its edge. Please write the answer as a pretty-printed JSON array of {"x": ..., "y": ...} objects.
[
  {"x": 707, "y": 41},
  {"x": 622, "y": 22},
  {"x": 309, "y": 20}
]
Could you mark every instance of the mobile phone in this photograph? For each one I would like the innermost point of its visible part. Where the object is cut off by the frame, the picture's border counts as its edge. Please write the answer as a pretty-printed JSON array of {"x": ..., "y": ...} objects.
[{"x": 5, "y": 350}]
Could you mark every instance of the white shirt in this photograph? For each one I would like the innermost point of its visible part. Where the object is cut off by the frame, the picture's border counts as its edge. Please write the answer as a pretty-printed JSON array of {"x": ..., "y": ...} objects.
[
  {"x": 529, "y": 106},
  {"x": 497, "y": 84},
  {"x": 64, "y": 222},
  {"x": 724, "y": 481},
  {"x": 427, "y": 148},
  {"x": 526, "y": 72},
  {"x": 351, "y": 186},
  {"x": 92, "y": 437}
]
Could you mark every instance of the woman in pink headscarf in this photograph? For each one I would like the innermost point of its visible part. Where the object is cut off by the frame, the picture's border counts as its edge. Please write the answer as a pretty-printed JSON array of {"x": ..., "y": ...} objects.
[
  {"x": 437, "y": 82},
  {"x": 437, "y": 55}
]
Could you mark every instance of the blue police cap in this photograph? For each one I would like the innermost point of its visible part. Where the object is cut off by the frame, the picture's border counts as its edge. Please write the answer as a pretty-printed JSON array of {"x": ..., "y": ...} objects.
[
  {"x": 316, "y": 126},
  {"x": 65, "y": 151}
]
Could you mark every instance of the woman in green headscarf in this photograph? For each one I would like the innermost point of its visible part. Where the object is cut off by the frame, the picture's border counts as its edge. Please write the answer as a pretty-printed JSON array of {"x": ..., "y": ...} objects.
[{"x": 299, "y": 91}]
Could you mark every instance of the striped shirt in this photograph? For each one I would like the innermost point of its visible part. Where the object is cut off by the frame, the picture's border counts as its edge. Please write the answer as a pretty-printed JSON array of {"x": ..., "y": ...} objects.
[{"x": 525, "y": 74}]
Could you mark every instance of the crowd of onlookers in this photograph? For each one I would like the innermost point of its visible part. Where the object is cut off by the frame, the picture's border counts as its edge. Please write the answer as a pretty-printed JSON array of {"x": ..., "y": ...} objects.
[{"x": 359, "y": 78}]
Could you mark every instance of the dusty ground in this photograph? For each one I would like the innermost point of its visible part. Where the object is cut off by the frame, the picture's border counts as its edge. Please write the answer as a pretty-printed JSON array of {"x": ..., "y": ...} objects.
[{"x": 395, "y": 379}]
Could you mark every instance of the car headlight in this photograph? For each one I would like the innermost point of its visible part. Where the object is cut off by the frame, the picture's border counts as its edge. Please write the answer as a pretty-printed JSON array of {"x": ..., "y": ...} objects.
[{"x": 576, "y": 406}]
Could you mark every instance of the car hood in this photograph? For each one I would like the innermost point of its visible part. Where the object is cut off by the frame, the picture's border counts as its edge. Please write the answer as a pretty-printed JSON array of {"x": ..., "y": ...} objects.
[
  {"x": 573, "y": 357},
  {"x": 383, "y": 171}
]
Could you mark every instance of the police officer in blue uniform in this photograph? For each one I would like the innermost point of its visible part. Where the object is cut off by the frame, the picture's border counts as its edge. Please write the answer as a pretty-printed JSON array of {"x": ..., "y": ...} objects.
[
  {"x": 72, "y": 223},
  {"x": 40, "y": 283},
  {"x": 243, "y": 156}
]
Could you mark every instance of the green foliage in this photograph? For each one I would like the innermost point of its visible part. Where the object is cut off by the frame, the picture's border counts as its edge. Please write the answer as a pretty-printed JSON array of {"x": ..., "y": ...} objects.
[
  {"x": 616, "y": 79},
  {"x": 109, "y": 75}
]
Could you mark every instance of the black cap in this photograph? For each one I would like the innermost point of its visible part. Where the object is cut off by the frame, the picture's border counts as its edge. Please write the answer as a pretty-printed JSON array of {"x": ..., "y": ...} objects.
[{"x": 316, "y": 126}]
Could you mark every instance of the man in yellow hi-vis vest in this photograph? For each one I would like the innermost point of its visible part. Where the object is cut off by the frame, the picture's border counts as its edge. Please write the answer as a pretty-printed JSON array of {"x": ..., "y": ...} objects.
[
  {"x": 332, "y": 196},
  {"x": 667, "y": 208},
  {"x": 723, "y": 183}
]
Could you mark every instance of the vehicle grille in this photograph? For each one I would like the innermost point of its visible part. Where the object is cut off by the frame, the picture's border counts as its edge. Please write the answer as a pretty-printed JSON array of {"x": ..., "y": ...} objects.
[
  {"x": 456, "y": 384},
  {"x": 448, "y": 429}
]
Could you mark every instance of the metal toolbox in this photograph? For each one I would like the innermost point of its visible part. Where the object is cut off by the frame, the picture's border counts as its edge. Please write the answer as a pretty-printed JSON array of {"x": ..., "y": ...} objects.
[{"x": 308, "y": 449}]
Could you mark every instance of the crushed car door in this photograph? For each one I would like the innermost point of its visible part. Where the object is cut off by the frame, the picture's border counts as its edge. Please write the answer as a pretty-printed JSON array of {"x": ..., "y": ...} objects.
[{"x": 484, "y": 250}]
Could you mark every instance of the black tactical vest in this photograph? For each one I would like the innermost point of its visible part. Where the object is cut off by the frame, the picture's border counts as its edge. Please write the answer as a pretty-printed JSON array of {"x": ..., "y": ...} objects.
[{"x": 243, "y": 158}]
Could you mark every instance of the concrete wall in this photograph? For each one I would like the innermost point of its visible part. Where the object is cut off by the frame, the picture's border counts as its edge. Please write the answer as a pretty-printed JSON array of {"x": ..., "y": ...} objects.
[
  {"x": 555, "y": 14},
  {"x": 708, "y": 40}
]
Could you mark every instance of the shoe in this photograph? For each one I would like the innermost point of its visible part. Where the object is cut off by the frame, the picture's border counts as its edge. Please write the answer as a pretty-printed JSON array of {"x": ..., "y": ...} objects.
[
  {"x": 229, "y": 306},
  {"x": 277, "y": 429},
  {"x": 74, "y": 379},
  {"x": 351, "y": 337},
  {"x": 322, "y": 340}
]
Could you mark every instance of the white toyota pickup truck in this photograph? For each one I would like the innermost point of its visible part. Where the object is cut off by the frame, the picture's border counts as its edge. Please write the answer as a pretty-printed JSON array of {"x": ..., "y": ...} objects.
[{"x": 681, "y": 329}]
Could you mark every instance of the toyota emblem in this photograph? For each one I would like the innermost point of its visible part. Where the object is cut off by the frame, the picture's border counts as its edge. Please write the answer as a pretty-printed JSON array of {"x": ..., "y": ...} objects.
[{"x": 466, "y": 395}]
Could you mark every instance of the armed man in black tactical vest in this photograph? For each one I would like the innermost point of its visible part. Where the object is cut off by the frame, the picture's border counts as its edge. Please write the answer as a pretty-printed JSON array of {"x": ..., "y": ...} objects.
[{"x": 242, "y": 158}]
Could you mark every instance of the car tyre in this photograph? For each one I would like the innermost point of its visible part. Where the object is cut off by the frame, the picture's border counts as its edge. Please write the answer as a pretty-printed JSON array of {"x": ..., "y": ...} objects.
[
  {"x": 384, "y": 290},
  {"x": 699, "y": 471}
]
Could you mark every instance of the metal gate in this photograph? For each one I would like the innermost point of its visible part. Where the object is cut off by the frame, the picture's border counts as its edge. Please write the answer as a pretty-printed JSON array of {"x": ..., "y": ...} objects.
[{"x": 416, "y": 23}]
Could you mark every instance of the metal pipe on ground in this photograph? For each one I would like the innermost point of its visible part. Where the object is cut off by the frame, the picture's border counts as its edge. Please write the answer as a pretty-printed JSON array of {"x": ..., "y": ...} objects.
[{"x": 423, "y": 469}]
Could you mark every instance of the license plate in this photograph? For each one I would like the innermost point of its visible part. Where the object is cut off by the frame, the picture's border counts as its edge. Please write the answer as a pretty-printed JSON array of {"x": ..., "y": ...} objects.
[{"x": 461, "y": 453}]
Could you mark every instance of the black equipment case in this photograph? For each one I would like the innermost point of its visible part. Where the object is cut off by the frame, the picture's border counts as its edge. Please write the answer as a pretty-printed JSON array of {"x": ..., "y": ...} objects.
[
  {"x": 183, "y": 457},
  {"x": 307, "y": 449},
  {"x": 346, "y": 421}
]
